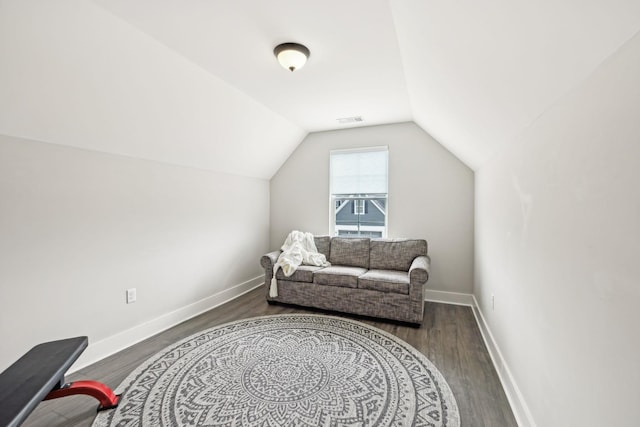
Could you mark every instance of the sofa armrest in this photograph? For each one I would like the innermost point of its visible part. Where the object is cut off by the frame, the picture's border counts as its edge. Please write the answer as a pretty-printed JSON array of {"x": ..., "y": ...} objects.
[
  {"x": 419, "y": 270},
  {"x": 268, "y": 260}
]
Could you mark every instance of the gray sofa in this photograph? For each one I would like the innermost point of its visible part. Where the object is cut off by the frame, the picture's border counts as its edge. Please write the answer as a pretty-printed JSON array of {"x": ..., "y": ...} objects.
[{"x": 371, "y": 277}]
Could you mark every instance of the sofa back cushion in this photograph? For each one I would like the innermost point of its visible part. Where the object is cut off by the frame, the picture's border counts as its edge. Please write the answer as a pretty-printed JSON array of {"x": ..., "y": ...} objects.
[
  {"x": 322, "y": 244},
  {"x": 352, "y": 252},
  {"x": 395, "y": 254}
]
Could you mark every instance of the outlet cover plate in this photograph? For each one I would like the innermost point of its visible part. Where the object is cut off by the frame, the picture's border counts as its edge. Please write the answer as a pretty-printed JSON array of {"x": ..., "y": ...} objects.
[{"x": 131, "y": 295}]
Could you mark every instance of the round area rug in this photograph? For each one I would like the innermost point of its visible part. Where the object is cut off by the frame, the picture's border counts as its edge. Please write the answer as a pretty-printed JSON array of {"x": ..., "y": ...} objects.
[{"x": 284, "y": 370}]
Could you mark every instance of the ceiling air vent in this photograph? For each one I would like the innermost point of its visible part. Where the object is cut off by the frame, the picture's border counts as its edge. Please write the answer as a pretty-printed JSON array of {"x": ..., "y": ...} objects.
[{"x": 346, "y": 120}]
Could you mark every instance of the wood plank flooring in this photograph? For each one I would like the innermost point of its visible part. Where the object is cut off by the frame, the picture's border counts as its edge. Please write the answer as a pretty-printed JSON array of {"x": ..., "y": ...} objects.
[{"x": 449, "y": 337}]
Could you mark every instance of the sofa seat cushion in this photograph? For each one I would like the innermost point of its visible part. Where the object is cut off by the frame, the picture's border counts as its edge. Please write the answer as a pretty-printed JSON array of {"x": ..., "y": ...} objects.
[
  {"x": 396, "y": 282},
  {"x": 304, "y": 273},
  {"x": 338, "y": 275}
]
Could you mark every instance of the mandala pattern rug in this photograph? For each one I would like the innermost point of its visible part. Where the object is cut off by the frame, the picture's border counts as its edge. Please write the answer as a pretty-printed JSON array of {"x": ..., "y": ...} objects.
[{"x": 286, "y": 370}]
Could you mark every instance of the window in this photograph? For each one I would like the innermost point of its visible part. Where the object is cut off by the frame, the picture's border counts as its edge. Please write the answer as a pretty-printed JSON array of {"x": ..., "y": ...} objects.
[
  {"x": 359, "y": 192},
  {"x": 359, "y": 207}
]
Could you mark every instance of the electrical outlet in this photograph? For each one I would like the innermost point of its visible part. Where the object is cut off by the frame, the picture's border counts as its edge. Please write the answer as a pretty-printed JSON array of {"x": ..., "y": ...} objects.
[
  {"x": 131, "y": 295},
  {"x": 493, "y": 302}
]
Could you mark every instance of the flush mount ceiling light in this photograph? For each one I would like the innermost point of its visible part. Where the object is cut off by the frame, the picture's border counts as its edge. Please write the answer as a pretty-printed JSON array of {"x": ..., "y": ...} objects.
[{"x": 291, "y": 56}]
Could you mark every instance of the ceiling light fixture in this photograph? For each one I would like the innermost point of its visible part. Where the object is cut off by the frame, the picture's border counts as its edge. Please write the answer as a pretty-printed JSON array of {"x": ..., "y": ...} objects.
[{"x": 291, "y": 56}]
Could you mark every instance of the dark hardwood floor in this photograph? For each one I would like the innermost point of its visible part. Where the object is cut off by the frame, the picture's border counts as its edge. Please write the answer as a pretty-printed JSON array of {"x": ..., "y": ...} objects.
[{"x": 449, "y": 337}]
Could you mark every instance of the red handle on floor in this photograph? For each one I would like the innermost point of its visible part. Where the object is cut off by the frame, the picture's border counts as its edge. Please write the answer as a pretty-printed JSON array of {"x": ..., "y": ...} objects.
[{"x": 95, "y": 389}]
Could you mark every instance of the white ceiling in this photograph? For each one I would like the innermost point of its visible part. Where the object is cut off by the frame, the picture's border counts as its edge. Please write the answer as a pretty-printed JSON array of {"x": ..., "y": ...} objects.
[
  {"x": 196, "y": 83},
  {"x": 355, "y": 68},
  {"x": 480, "y": 72}
]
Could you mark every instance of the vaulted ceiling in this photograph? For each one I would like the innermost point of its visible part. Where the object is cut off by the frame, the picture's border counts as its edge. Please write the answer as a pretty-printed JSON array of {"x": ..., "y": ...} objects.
[{"x": 195, "y": 82}]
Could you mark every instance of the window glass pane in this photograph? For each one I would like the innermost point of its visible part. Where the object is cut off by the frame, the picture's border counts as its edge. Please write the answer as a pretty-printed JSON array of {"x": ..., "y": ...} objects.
[{"x": 365, "y": 217}]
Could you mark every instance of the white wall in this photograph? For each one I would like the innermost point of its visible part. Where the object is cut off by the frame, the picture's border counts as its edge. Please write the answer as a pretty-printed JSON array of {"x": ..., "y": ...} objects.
[
  {"x": 79, "y": 227},
  {"x": 430, "y": 195},
  {"x": 558, "y": 244}
]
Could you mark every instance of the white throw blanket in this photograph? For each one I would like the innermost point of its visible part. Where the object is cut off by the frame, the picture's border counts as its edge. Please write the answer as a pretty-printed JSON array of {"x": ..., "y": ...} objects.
[{"x": 299, "y": 248}]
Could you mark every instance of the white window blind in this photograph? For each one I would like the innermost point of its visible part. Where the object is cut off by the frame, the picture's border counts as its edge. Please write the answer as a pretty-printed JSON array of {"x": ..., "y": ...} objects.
[{"x": 361, "y": 171}]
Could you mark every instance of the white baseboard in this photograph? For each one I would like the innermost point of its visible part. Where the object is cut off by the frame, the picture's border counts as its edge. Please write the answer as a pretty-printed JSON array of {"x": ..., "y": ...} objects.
[
  {"x": 516, "y": 400},
  {"x": 448, "y": 297},
  {"x": 115, "y": 343}
]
